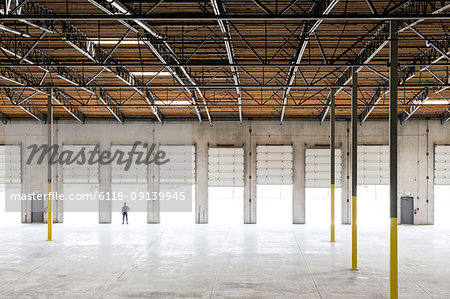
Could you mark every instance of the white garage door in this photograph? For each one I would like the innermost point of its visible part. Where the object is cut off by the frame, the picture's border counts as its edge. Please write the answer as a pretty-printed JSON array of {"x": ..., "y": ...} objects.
[
  {"x": 181, "y": 167},
  {"x": 225, "y": 167},
  {"x": 373, "y": 165},
  {"x": 317, "y": 168},
  {"x": 442, "y": 165},
  {"x": 10, "y": 164},
  {"x": 136, "y": 173},
  {"x": 80, "y": 174},
  {"x": 274, "y": 164}
]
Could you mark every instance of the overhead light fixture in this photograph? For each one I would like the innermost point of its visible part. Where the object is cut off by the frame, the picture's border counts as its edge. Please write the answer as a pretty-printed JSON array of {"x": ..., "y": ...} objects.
[{"x": 151, "y": 73}]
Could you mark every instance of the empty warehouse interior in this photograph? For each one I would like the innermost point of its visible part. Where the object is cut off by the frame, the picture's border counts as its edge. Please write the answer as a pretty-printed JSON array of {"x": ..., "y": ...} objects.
[{"x": 224, "y": 149}]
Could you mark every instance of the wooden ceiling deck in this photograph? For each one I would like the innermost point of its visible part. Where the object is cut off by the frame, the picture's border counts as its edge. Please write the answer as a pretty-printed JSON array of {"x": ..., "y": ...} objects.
[{"x": 263, "y": 50}]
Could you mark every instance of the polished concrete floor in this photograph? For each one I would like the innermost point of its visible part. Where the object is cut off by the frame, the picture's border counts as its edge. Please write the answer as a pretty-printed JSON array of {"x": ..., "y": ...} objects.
[{"x": 203, "y": 261}]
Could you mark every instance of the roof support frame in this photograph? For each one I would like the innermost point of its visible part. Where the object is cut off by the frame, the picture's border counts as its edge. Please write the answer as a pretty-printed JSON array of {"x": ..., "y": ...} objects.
[
  {"x": 219, "y": 9},
  {"x": 308, "y": 30},
  {"x": 379, "y": 41}
]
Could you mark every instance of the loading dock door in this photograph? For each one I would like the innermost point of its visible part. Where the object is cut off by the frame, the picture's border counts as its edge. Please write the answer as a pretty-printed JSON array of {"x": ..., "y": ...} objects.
[
  {"x": 442, "y": 165},
  {"x": 317, "y": 168},
  {"x": 10, "y": 164},
  {"x": 134, "y": 173},
  {"x": 274, "y": 164},
  {"x": 80, "y": 174},
  {"x": 373, "y": 165},
  {"x": 225, "y": 167},
  {"x": 181, "y": 167}
]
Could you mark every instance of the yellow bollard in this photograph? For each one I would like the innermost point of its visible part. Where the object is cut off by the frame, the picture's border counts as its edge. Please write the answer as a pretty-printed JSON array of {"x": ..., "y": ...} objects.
[
  {"x": 333, "y": 239},
  {"x": 354, "y": 236},
  {"x": 49, "y": 214},
  {"x": 394, "y": 260}
]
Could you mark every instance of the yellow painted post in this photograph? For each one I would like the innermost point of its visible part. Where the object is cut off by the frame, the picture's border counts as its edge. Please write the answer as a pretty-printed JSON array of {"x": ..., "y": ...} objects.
[
  {"x": 49, "y": 214},
  {"x": 333, "y": 232},
  {"x": 50, "y": 170},
  {"x": 354, "y": 235},
  {"x": 394, "y": 262}
]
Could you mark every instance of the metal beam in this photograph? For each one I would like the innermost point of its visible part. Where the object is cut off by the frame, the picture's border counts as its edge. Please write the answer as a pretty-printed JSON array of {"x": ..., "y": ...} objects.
[
  {"x": 308, "y": 29},
  {"x": 219, "y": 9},
  {"x": 294, "y": 18},
  {"x": 414, "y": 104},
  {"x": 262, "y": 6},
  {"x": 445, "y": 116},
  {"x": 3, "y": 118},
  {"x": 219, "y": 64},
  {"x": 25, "y": 105},
  {"x": 72, "y": 85},
  {"x": 371, "y": 6},
  {"x": 376, "y": 97},
  {"x": 33, "y": 46}
]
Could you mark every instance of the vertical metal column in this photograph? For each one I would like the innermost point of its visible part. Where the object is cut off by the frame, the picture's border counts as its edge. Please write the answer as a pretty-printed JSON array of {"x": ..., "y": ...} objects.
[
  {"x": 354, "y": 168},
  {"x": 332, "y": 162},
  {"x": 393, "y": 82},
  {"x": 50, "y": 172}
]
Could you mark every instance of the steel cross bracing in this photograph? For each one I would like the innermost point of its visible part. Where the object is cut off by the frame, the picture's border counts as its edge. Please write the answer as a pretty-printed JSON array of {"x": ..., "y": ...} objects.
[
  {"x": 219, "y": 9},
  {"x": 437, "y": 51},
  {"x": 19, "y": 49},
  {"x": 153, "y": 39},
  {"x": 25, "y": 79},
  {"x": 78, "y": 40},
  {"x": 17, "y": 99},
  {"x": 161, "y": 48},
  {"x": 445, "y": 116},
  {"x": 430, "y": 56},
  {"x": 414, "y": 104},
  {"x": 309, "y": 28},
  {"x": 380, "y": 38}
]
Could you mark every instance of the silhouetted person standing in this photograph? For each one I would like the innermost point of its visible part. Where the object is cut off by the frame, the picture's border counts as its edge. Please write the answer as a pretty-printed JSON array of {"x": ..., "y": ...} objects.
[{"x": 125, "y": 210}]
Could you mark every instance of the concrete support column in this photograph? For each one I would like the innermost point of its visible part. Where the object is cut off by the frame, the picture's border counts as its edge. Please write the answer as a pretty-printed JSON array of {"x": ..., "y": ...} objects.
[
  {"x": 346, "y": 179},
  {"x": 201, "y": 182},
  {"x": 105, "y": 206},
  {"x": 415, "y": 162},
  {"x": 250, "y": 179},
  {"x": 58, "y": 209},
  {"x": 153, "y": 206},
  {"x": 299, "y": 183}
]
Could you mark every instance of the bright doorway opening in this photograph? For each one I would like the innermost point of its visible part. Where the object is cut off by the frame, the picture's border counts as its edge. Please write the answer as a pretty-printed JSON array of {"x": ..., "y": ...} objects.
[
  {"x": 134, "y": 195},
  {"x": 318, "y": 206},
  {"x": 373, "y": 205},
  {"x": 226, "y": 205},
  {"x": 9, "y": 217},
  {"x": 178, "y": 218},
  {"x": 81, "y": 207},
  {"x": 274, "y": 204},
  {"x": 442, "y": 206}
]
